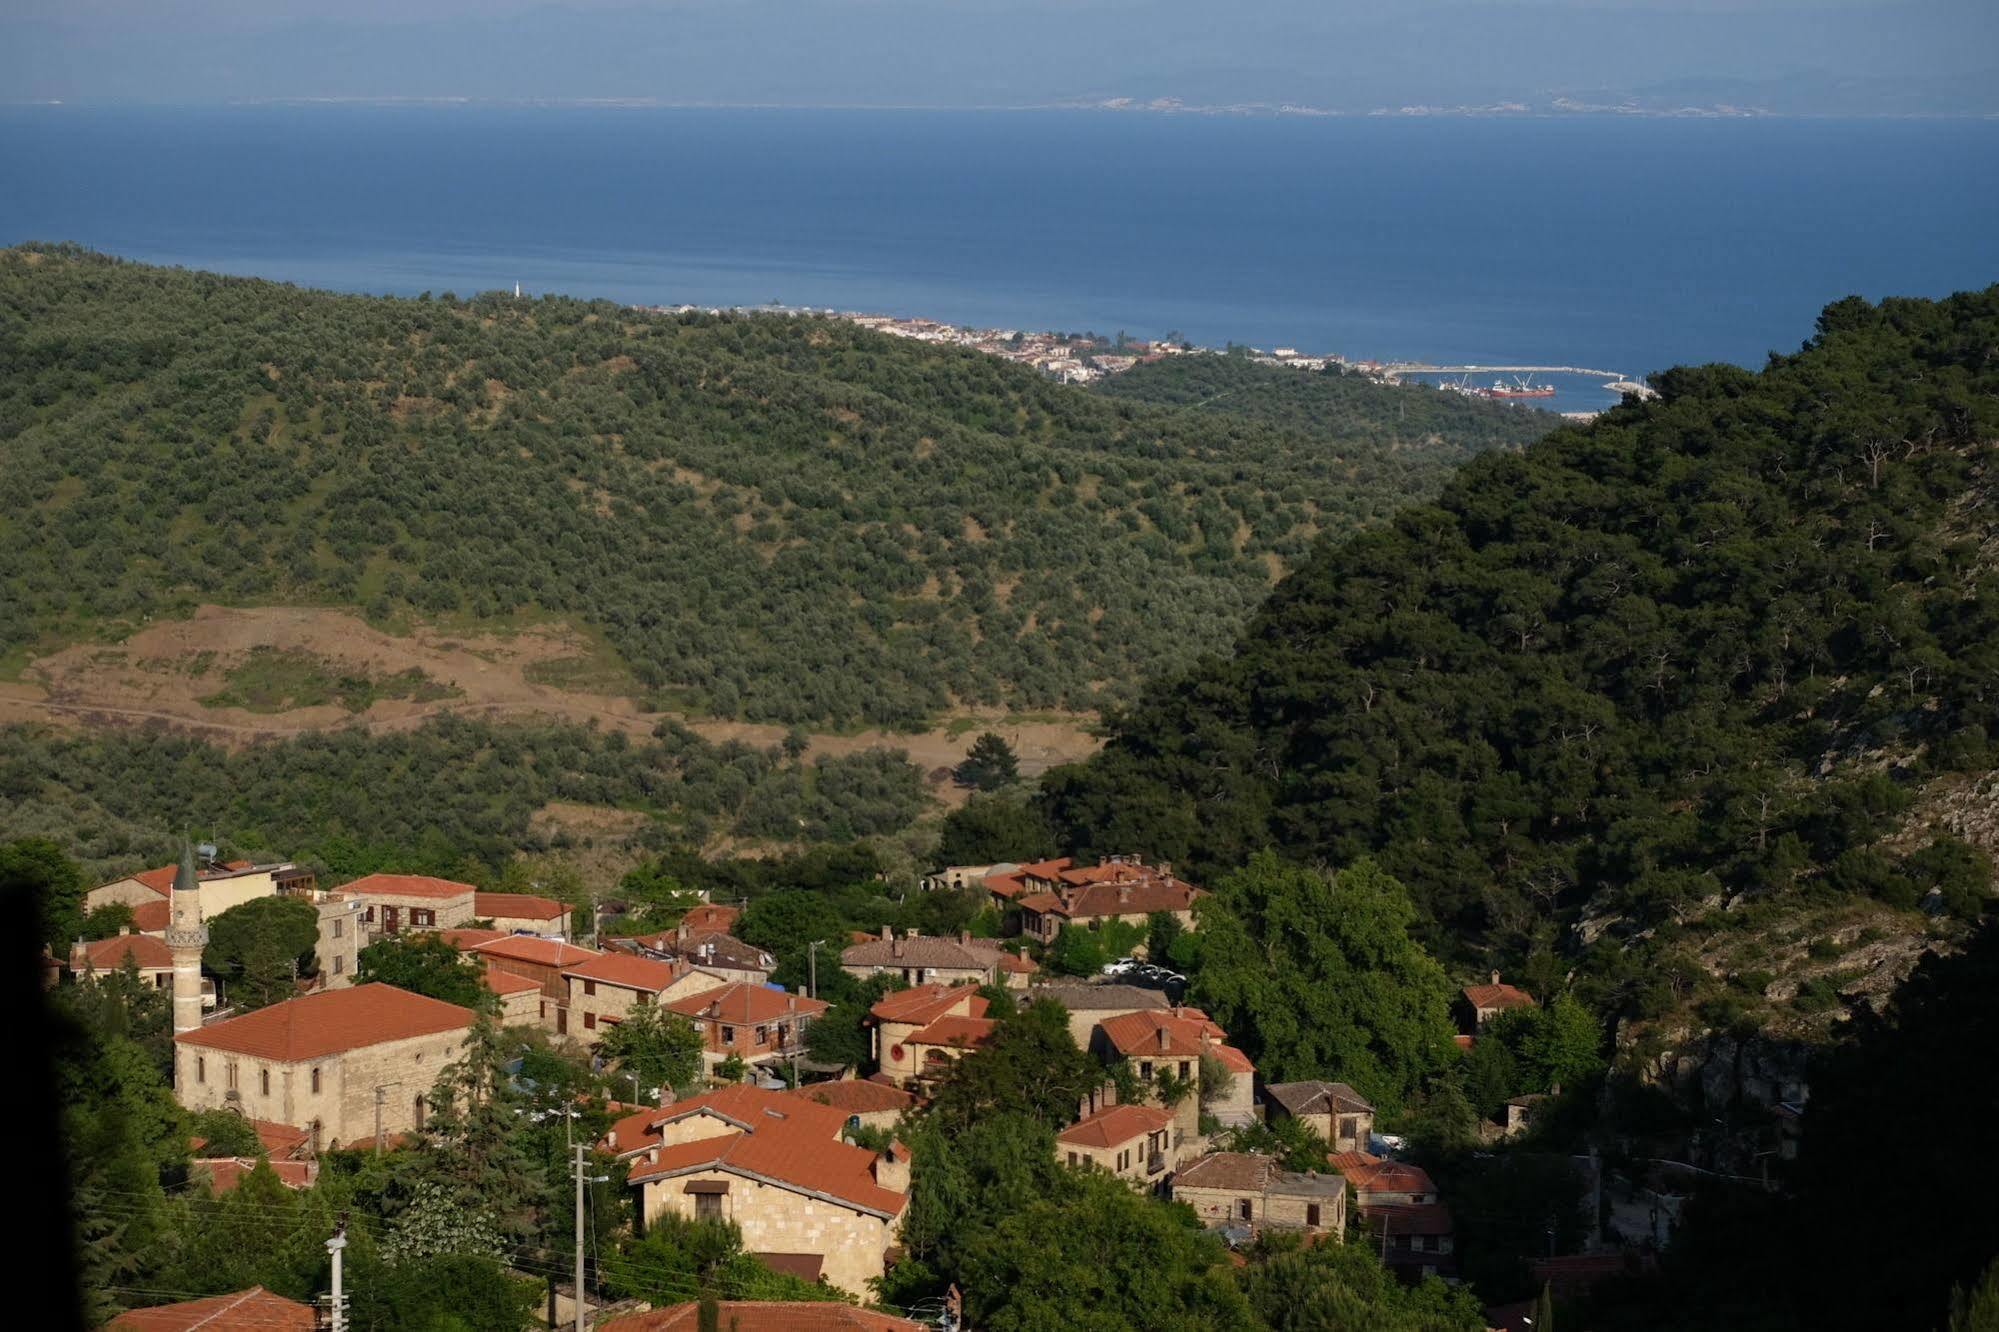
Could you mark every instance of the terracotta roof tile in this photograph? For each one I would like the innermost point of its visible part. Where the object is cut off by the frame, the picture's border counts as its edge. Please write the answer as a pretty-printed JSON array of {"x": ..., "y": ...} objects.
[
  {"x": 1079, "y": 998},
  {"x": 226, "y": 1172},
  {"x": 407, "y": 885},
  {"x": 516, "y": 906},
  {"x": 152, "y": 917},
  {"x": 110, "y": 954},
  {"x": 252, "y": 1310},
  {"x": 857, "y": 1097},
  {"x": 926, "y": 1003},
  {"x": 1018, "y": 963},
  {"x": 1228, "y": 1170},
  {"x": 506, "y": 982},
  {"x": 922, "y": 950},
  {"x": 743, "y": 1002},
  {"x": 961, "y": 1033},
  {"x": 1156, "y": 1032},
  {"x": 627, "y": 971},
  {"x": 470, "y": 936},
  {"x": 1373, "y": 1174},
  {"x": 764, "y": 1316},
  {"x": 329, "y": 1022},
  {"x": 1498, "y": 996},
  {"x": 1115, "y": 1124},
  {"x": 1426, "y": 1219},
  {"x": 1314, "y": 1097},
  {"x": 543, "y": 952},
  {"x": 784, "y": 1140}
]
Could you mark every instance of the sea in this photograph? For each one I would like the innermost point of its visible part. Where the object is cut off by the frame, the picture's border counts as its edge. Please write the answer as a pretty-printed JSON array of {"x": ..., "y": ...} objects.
[{"x": 1607, "y": 243}]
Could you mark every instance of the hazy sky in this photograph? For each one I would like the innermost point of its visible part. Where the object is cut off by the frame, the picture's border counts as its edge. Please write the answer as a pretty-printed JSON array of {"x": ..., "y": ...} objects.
[{"x": 1817, "y": 55}]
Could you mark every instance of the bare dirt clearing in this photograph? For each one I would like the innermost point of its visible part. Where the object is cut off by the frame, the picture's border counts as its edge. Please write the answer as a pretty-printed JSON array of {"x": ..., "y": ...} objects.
[{"x": 162, "y": 673}]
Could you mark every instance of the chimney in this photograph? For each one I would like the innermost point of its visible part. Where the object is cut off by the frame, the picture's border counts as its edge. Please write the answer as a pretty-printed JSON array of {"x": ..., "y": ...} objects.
[
  {"x": 1495, "y": 978},
  {"x": 1162, "y": 1038},
  {"x": 1124, "y": 892},
  {"x": 892, "y": 1168},
  {"x": 124, "y": 929},
  {"x": 965, "y": 938},
  {"x": 888, "y": 933},
  {"x": 895, "y": 946}
]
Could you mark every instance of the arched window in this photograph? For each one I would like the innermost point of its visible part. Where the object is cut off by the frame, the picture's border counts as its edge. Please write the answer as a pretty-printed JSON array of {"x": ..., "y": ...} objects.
[{"x": 419, "y": 1110}]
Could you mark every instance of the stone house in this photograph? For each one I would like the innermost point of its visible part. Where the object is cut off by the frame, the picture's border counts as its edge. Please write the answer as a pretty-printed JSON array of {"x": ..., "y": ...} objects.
[
  {"x": 934, "y": 1050},
  {"x": 392, "y": 903},
  {"x": 1122, "y": 889},
  {"x": 252, "y": 1310},
  {"x": 1089, "y": 1005},
  {"x": 220, "y": 888},
  {"x": 343, "y": 1064},
  {"x": 341, "y": 927},
  {"x": 772, "y": 1163},
  {"x": 1174, "y": 1041},
  {"x": 1399, "y": 1202},
  {"x": 606, "y": 989},
  {"x": 918, "y": 959},
  {"x": 542, "y": 961},
  {"x": 960, "y": 877},
  {"x": 1017, "y": 970},
  {"x": 758, "y": 1024},
  {"x": 1479, "y": 1004},
  {"x": 898, "y": 1016},
  {"x": 867, "y": 1103},
  {"x": 520, "y": 998},
  {"x": 522, "y": 913},
  {"x": 101, "y": 957},
  {"x": 1138, "y": 1143},
  {"x": 1238, "y": 1190},
  {"x": 714, "y": 951},
  {"x": 1333, "y": 1110}
]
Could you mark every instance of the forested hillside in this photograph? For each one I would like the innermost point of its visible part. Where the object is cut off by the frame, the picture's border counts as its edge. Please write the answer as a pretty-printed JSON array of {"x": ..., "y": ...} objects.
[
  {"x": 1704, "y": 650},
  {"x": 1330, "y": 402},
  {"x": 780, "y": 519}
]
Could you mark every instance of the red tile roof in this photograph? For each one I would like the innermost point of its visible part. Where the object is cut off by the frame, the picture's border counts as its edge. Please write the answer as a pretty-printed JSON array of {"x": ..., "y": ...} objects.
[
  {"x": 1131, "y": 893},
  {"x": 743, "y": 1002},
  {"x": 1426, "y": 1219},
  {"x": 764, "y": 1316},
  {"x": 1228, "y": 1170},
  {"x": 1018, "y": 963},
  {"x": 329, "y": 1022},
  {"x": 1373, "y": 1174},
  {"x": 922, "y": 950},
  {"x": 962, "y": 1033},
  {"x": 1498, "y": 996},
  {"x": 507, "y": 982},
  {"x": 1115, "y": 1124},
  {"x": 226, "y": 1172},
  {"x": 1316, "y": 1097},
  {"x": 516, "y": 906},
  {"x": 470, "y": 936},
  {"x": 110, "y": 954},
  {"x": 407, "y": 885},
  {"x": 152, "y": 917},
  {"x": 627, "y": 971},
  {"x": 1234, "y": 1060},
  {"x": 252, "y": 1310},
  {"x": 708, "y": 917},
  {"x": 926, "y": 1003},
  {"x": 857, "y": 1097},
  {"x": 805, "y": 1164},
  {"x": 1158, "y": 1032},
  {"x": 748, "y": 1106},
  {"x": 543, "y": 952}
]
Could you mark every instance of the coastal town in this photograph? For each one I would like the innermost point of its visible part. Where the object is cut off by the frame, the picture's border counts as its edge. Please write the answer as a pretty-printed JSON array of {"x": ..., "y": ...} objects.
[{"x": 804, "y": 1158}]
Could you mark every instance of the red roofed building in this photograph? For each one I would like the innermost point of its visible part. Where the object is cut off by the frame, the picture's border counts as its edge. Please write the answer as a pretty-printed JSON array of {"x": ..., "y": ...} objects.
[
  {"x": 754, "y": 1022},
  {"x": 463, "y": 937},
  {"x": 898, "y": 1016},
  {"x": 541, "y": 961},
  {"x": 391, "y": 903},
  {"x": 1333, "y": 1110},
  {"x": 1479, "y": 1004},
  {"x": 226, "y": 1172},
  {"x": 764, "y": 1316},
  {"x": 606, "y": 989},
  {"x": 521, "y": 1002},
  {"x": 711, "y": 950},
  {"x": 1414, "y": 1242},
  {"x": 1136, "y": 1142},
  {"x": 339, "y": 1064},
  {"x": 936, "y": 1048},
  {"x": 522, "y": 913},
  {"x": 1174, "y": 1041},
  {"x": 1377, "y": 1180},
  {"x": 252, "y": 1310},
  {"x": 773, "y": 1164},
  {"x": 1242, "y": 1191},
  {"x": 1123, "y": 888},
  {"x": 867, "y": 1103},
  {"x": 709, "y": 918},
  {"x": 150, "y": 954},
  {"x": 920, "y": 958},
  {"x": 220, "y": 887}
]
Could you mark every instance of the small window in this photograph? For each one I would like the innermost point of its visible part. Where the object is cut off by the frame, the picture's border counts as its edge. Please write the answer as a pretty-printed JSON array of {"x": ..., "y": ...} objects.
[
  {"x": 369, "y": 914},
  {"x": 707, "y": 1207},
  {"x": 763, "y": 1035},
  {"x": 1145, "y": 1070},
  {"x": 339, "y": 927},
  {"x": 1072, "y": 1158},
  {"x": 1243, "y": 1209},
  {"x": 423, "y": 916},
  {"x": 1311, "y": 1214},
  {"x": 200, "y": 1069},
  {"x": 339, "y": 964},
  {"x": 232, "y": 1075},
  {"x": 419, "y": 1110},
  {"x": 315, "y": 1082},
  {"x": 728, "y": 1035},
  {"x": 1186, "y": 1070},
  {"x": 590, "y": 987},
  {"x": 590, "y": 1022},
  {"x": 263, "y": 1082}
]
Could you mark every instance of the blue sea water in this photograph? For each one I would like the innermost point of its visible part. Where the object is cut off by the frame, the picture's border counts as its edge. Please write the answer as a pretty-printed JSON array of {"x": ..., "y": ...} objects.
[{"x": 1626, "y": 244}]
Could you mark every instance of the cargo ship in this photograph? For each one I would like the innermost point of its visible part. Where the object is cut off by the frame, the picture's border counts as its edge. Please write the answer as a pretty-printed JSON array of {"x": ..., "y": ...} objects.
[{"x": 1519, "y": 388}]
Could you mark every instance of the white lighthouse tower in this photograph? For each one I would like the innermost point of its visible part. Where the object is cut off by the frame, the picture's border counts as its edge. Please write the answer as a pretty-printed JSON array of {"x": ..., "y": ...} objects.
[{"x": 186, "y": 937}]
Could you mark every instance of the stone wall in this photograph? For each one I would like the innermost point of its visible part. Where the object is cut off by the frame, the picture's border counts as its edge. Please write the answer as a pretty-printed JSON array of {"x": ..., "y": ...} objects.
[
  {"x": 339, "y": 949},
  {"x": 344, "y": 1105},
  {"x": 777, "y": 1220}
]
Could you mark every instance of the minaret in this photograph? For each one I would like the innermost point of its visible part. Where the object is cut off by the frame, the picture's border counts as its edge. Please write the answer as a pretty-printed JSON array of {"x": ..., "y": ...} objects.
[{"x": 186, "y": 937}]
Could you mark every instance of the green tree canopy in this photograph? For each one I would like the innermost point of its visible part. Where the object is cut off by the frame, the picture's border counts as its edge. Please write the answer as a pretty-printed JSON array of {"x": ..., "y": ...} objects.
[
  {"x": 262, "y": 948},
  {"x": 425, "y": 964},
  {"x": 660, "y": 1048},
  {"x": 1318, "y": 976},
  {"x": 990, "y": 764}
]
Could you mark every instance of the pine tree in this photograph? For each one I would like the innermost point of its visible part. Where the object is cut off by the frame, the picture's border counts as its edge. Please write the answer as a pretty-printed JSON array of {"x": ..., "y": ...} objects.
[{"x": 989, "y": 765}]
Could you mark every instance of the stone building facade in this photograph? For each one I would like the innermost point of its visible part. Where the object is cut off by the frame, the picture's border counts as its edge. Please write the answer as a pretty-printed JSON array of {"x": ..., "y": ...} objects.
[{"x": 1253, "y": 1193}]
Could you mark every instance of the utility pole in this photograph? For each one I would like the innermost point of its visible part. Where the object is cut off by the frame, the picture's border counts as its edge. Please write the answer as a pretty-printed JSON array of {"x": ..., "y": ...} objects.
[
  {"x": 381, "y": 1094},
  {"x": 337, "y": 1302},
  {"x": 579, "y": 1237},
  {"x": 812, "y": 966}
]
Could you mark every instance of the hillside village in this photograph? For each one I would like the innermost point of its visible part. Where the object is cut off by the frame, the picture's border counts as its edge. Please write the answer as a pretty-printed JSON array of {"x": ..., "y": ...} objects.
[{"x": 804, "y": 1158}]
